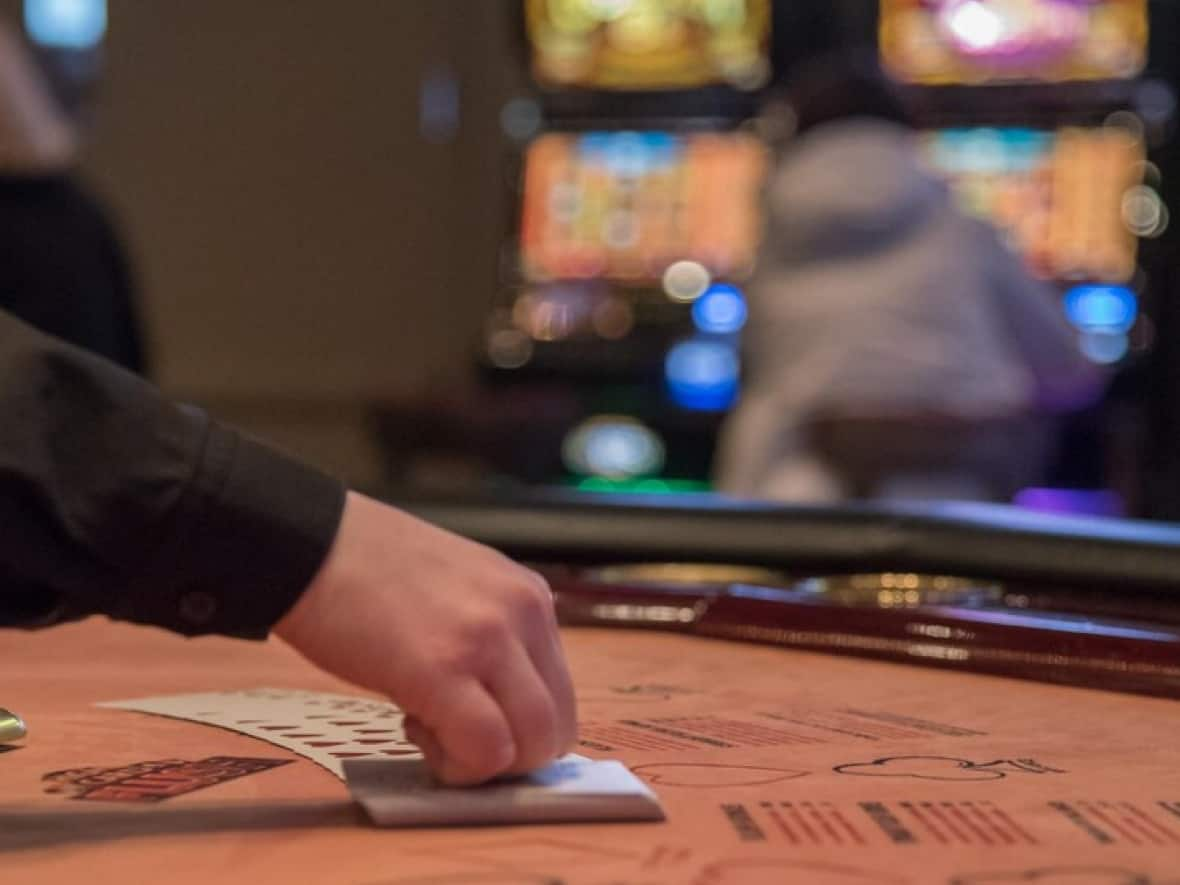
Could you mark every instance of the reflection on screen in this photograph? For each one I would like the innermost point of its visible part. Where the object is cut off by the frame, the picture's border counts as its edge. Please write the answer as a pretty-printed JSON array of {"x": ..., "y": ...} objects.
[
  {"x": 979, "y": 41},
  {"x": 649, "y": 44},
  {"x": 628, "y": 205},
  {"x": 1059, "y": 196}
]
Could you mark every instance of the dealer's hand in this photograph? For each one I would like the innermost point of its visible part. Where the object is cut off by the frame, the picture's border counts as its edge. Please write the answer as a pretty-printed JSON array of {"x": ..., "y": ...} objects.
[{"x": 463, "y": 639}]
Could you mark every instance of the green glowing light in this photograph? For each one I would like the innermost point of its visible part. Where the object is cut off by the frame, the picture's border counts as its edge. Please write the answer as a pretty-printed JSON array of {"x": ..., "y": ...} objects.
[{"x": 645, "y": 486}]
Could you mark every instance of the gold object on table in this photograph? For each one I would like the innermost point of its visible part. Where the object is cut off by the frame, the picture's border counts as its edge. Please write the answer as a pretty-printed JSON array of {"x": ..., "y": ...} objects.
[
  {"x": 696, "y": 574},
  {"x": 906, "y": 590},
  {"x": 12, "y": 728}
]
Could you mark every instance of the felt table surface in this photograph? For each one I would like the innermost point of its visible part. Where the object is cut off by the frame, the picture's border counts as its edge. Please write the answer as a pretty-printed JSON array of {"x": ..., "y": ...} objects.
[{"x": 773, "y": 766}]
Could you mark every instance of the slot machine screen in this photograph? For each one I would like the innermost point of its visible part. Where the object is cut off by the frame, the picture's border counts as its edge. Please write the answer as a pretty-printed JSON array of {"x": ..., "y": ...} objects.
[
  {"x": 649, "y": 44},
  {"x": 940, "y": 42},
  {"x": 625, "y": 206},
  {"x": 1057, "y": 195}
]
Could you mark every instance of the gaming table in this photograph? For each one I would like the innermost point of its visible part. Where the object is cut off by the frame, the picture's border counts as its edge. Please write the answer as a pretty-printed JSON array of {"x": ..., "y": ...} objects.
[{"x": 774, "y": 764}]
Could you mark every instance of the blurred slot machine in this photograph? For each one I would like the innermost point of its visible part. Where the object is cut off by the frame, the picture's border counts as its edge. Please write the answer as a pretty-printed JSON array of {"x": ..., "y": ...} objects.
[
  {"x": 1037, "y": 115},
  {"x": 639, "y": 219},
  {"x": 1058, "y": 196}
]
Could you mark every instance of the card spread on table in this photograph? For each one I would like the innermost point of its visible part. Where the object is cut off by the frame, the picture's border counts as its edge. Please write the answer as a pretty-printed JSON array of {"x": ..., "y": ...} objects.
[
  {"x": 325, "y": 728},
  {"x": 402, "y": 793}
]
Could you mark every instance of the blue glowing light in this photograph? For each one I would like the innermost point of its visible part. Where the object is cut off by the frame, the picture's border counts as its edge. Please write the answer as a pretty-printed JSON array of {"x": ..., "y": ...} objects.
[
  {"x": 630, "y": 154},
  {"x": 703, "y": 375},
  {"x": 1105, "y": 347},
  {"x": 1111, "y": 309},
  {"x": 720, "y": 311},
  {"x": 66, "y": 24}
]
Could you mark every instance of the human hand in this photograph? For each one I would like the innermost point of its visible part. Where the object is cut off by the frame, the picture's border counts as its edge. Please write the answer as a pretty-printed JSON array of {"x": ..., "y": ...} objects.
[{"x": 463, "y": 639}]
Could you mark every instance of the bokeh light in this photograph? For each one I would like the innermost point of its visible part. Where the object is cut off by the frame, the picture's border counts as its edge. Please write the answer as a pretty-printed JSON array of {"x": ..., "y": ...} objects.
[
  {"x": 521, "y": 118},
  {"x": 686, "y": 281},
  {"x": 974, "y": 25},
  {"x": 703, "y": 374},
  {"x": 1144, "y": 212},
  {"x": 1105, "y": 347},
  {"x": 613, "y": 318},
  {"x": 613, "y": 447},
  {"x": 1102, "y": 308},
  {"x": 66, "y": 24},
  {"x": 509, "y": 348},
  {"x": 721, "y": 310}
]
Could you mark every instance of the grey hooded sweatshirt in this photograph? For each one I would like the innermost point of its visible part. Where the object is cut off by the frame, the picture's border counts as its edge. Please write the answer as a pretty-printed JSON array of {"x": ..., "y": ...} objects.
[{"x": 875, "y": 296}]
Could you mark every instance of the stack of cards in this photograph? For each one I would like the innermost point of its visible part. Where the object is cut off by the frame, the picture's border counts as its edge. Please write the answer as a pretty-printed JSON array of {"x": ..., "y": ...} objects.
[
  {"x": 364, "y": 740},
  {"x": 402, "y": 793}
]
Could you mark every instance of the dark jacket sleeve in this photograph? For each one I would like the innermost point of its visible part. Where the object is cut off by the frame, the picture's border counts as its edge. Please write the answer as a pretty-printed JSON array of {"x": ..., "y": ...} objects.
[
  {"x": 64, "y": 270},
  {"x": 114, "y": 500}
]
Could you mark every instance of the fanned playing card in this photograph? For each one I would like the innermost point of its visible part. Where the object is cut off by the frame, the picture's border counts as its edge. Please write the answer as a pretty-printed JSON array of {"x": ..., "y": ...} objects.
[
  {"x": 325, "y": 728},
  {"x": 402, "y": 793}
]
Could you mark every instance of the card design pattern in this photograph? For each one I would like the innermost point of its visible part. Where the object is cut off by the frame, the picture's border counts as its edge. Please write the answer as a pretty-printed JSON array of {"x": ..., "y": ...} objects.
[
  {"x": 153, "y": 781},
  {"x": 325, "y": 728}
]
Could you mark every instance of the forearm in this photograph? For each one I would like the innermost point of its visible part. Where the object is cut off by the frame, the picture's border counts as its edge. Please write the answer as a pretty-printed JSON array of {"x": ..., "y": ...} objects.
[{"x": 115, "y": 501}]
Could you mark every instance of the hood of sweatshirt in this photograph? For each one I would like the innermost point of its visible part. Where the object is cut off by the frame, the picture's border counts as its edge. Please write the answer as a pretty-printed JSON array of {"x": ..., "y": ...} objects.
[{"x": 850, "y": 188}]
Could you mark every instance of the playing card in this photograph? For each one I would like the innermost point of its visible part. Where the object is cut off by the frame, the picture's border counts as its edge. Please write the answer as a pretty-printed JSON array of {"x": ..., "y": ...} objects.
[
  {"x": 402, "y": 793},
  {"x": 325, "y": 728}
]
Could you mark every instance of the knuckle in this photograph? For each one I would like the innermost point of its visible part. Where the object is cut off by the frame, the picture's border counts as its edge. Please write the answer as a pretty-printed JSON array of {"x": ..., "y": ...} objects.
[
  {"x": 489, "y": 627},
  {"x": 539, "y": 581},
  {"x": 476, "y": 645},
  {"x": 533, "y": 601},
  {"x": 426, "y": 694}
]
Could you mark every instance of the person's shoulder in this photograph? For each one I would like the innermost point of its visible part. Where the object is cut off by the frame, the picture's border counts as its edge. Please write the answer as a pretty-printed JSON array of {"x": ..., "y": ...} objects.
[{"x": 854, "y": 133}]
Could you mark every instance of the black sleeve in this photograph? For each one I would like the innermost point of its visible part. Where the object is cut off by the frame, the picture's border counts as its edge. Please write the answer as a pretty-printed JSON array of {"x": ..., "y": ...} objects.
[
  {"x": 64, "y": 270},
  {"x": 114, "y": 500}
]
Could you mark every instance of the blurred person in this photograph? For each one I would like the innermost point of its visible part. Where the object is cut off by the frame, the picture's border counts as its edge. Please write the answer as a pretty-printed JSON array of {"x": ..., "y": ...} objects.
[
  {"x": 62, "y": 267},
  {"x": 886, "y": 327}
]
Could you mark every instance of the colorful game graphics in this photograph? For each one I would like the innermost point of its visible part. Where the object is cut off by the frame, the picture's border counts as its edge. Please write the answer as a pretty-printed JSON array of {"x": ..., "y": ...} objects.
[
  {"x": 1059, "y": 196},
  {"x": 626, "y": 205},
  {"x": 940, "y": 42},
  {"x": 649, "y": 44}
]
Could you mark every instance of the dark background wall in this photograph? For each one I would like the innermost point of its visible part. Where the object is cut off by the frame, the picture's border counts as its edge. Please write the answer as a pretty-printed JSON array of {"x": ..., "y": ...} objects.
[{"x": 304, "y": 249}]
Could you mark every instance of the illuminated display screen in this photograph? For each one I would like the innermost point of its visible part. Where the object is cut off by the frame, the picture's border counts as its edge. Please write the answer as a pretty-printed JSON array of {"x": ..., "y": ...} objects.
[
  {"x": 649, "y": 44},
  {"x": 935, "y": 42},
  {"x": 1060, "y": 196},
  {"x": 627, "y": 205}
]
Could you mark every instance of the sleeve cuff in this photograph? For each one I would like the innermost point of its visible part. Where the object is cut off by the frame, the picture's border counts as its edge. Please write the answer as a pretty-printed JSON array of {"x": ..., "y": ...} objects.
[{"x": 250, "y": 533}]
